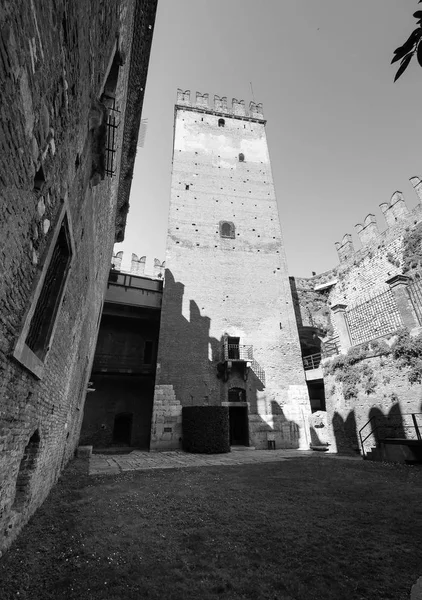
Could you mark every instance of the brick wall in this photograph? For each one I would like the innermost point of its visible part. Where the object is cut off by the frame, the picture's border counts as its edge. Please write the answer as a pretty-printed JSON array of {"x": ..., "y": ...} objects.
[
  {"x": 53, "y": 65},
  {"x": 235, "y": 285}
]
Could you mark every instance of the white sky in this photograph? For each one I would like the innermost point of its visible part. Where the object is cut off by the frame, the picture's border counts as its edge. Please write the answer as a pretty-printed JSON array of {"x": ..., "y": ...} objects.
[{"x": 342, "y": 136}]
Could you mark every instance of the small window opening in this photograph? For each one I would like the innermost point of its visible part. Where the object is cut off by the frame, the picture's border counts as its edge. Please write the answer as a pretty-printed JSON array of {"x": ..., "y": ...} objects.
[
  {"x": 227, "y": 229},
  {"x": 39, "y": 180},
  {"x": 148, "y": 352},
  {"x": 48, "y": 302},
  {"x": 26, "y": 469},
  {"x": 186, "y": 186},
  {"x": 221, "y": 122},
  {"x": 241, "y": 157}
]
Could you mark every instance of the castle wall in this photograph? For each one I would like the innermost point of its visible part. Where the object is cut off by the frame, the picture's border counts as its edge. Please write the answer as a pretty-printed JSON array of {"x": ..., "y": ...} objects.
[
  {"x": 235, "y": 285},
  {"x": 390, "y": 402},
  {"x": 56, "y": 62},
  {"x": 373, "y": 292}
]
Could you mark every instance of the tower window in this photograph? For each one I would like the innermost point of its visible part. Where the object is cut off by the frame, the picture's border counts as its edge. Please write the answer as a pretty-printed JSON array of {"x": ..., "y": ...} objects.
[
  {"x": 38, "y": 328},
  {"x": 221, "y": 122},
  {"x": 227, "y": 229},
  {"x": 241, "y": 157}
]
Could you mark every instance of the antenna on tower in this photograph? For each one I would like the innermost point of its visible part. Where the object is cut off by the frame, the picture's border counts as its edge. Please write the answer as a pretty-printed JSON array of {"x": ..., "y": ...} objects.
[{"x": 253, "y": 95}]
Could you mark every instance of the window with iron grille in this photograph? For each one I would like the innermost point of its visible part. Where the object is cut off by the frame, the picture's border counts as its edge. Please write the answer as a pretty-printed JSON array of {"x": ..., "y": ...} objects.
[{"x": 42, "y": 321}]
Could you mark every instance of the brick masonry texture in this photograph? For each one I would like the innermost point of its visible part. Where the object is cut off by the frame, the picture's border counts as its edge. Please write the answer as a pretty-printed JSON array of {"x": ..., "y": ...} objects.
[
  {"x": 54, "y": 60},
  {"x": 217, "y": 286}
]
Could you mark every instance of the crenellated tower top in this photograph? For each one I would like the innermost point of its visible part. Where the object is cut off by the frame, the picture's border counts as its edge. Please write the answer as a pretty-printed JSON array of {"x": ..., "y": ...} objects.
[{"x": 219, "y": 105}]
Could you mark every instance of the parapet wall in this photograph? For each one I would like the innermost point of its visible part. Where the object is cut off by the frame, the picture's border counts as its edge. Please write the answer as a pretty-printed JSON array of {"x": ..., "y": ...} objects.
[
  {"x": 137, "y": 265},
  {"x": 397, "y": 216},
  {"x": 372, "y": 292},
  {"x": 219, "y": 105}
]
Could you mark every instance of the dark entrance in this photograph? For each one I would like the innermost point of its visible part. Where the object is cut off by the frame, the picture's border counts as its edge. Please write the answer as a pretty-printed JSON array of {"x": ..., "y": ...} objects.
[
  {"x": 122, "y": 431},
  {"x": 238, "y": 416}
]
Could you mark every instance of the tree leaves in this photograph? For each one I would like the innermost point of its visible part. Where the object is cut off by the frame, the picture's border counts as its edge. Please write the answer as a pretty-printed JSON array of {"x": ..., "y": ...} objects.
[
  {"x": 411, "y": 46},
  {"x": 403, "y": 66}
]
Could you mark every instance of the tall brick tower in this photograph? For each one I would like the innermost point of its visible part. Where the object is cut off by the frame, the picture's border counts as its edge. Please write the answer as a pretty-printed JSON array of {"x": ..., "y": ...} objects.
[{"x": 228, "y": 333}]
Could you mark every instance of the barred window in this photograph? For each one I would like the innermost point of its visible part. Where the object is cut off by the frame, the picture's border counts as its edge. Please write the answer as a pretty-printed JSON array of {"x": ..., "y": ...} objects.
[{"x": 45, "y": 312}]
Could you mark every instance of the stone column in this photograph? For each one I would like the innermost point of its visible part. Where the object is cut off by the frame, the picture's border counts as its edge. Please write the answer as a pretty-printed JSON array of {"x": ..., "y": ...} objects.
[
  {"x": 339, "y": 318},
  {"x": 398, "y": 285}
]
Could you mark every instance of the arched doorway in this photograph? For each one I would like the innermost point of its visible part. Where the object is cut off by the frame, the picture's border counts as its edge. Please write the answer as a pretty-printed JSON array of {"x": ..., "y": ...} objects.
[{"x": 238, "y": 417}]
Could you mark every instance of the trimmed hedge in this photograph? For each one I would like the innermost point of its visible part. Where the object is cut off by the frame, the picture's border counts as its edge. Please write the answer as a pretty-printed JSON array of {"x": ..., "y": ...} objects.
[{"x": 206, "y": 429}]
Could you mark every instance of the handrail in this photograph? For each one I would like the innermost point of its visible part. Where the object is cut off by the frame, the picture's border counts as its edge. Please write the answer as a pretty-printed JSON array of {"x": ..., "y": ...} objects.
[
  {"x": 360, "y": 434},
  {"x": 388, "y": 423},
  {"x": 312, "y": 361}
]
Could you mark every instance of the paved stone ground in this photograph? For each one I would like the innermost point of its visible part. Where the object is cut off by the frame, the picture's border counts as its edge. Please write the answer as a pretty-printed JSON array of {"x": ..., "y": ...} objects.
[{"x": 137, "y": 460}]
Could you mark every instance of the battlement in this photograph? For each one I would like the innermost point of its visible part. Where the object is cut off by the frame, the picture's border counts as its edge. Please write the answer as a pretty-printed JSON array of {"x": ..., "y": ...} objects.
[
  {"x": 219, "y": 105},
  {"x": 395, "y": 213},
  {"x": 137, "y": 266}
]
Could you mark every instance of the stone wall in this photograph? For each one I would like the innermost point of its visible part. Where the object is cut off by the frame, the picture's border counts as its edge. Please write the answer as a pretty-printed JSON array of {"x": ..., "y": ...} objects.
[
  {"x": 373, "y": 292},
  {"x": 390, "y": 400},
  {"x": 56, "y": 62}
]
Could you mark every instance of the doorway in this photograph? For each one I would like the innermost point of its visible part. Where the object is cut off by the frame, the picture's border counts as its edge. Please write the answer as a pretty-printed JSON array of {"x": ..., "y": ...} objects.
[
  {"x": 122, "y": 431},
  {"x": 238, "y": 418}
]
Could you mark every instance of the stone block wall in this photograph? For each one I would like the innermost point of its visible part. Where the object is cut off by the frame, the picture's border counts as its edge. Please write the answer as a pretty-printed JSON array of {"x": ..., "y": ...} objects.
[{"x": 56, "y": 58}]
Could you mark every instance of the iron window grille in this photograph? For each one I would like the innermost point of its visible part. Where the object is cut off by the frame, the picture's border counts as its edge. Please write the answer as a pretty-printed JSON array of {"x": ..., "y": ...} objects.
[
  {"x": 43, "y": 319},
  {"x": 113, "y": 122}
]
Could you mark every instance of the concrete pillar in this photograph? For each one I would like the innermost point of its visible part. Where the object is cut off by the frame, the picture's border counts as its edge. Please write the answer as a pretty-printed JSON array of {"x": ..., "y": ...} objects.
[
  {"x": 398, "y": 285},
  {"x": 340, "y": 322}
]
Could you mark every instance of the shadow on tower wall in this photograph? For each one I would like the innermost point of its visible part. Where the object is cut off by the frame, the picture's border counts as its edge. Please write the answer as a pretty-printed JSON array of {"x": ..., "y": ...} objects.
[{"x": 189, "y": 360}]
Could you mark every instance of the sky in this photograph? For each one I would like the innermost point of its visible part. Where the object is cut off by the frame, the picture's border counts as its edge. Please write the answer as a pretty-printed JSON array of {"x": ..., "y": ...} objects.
[{"x": 342, "y": 136}]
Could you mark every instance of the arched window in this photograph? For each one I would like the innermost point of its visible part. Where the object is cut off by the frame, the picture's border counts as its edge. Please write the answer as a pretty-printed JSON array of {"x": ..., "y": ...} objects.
[
  {"x": 227, "y": 229},
  {"x": 221, "y": 122},
  {"x": 241, "y": 157},
  {"x": 237, "y": 395}
]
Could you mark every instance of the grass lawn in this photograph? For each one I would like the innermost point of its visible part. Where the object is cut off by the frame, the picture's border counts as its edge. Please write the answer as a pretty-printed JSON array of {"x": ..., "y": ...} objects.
[{"x": 313, "y": 528}]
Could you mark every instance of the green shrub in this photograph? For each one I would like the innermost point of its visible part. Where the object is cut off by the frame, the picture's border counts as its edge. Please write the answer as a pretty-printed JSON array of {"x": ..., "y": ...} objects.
[{"x": 206, "y": 429}]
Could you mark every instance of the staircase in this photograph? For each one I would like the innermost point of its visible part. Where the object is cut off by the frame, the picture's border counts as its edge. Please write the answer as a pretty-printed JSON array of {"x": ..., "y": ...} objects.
[{"x": 397, "y": 439}]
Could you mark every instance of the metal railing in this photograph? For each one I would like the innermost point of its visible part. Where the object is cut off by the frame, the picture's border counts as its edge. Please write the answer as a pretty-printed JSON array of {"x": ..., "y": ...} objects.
[
  {"x": 415, "y": 292},
  {"x": 240, "y": 352},
  {"x": 312, "y": 361},
  {"x": 391, "y": 427},
  {"x": 330, "y": 347},
  {"x": 373, "y": 318}
]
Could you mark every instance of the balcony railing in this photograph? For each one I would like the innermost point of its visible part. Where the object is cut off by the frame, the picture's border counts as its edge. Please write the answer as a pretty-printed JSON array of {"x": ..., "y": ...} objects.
[
  {"x": 238, "y": 352},
  {"x": 312, "y": 361}
]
